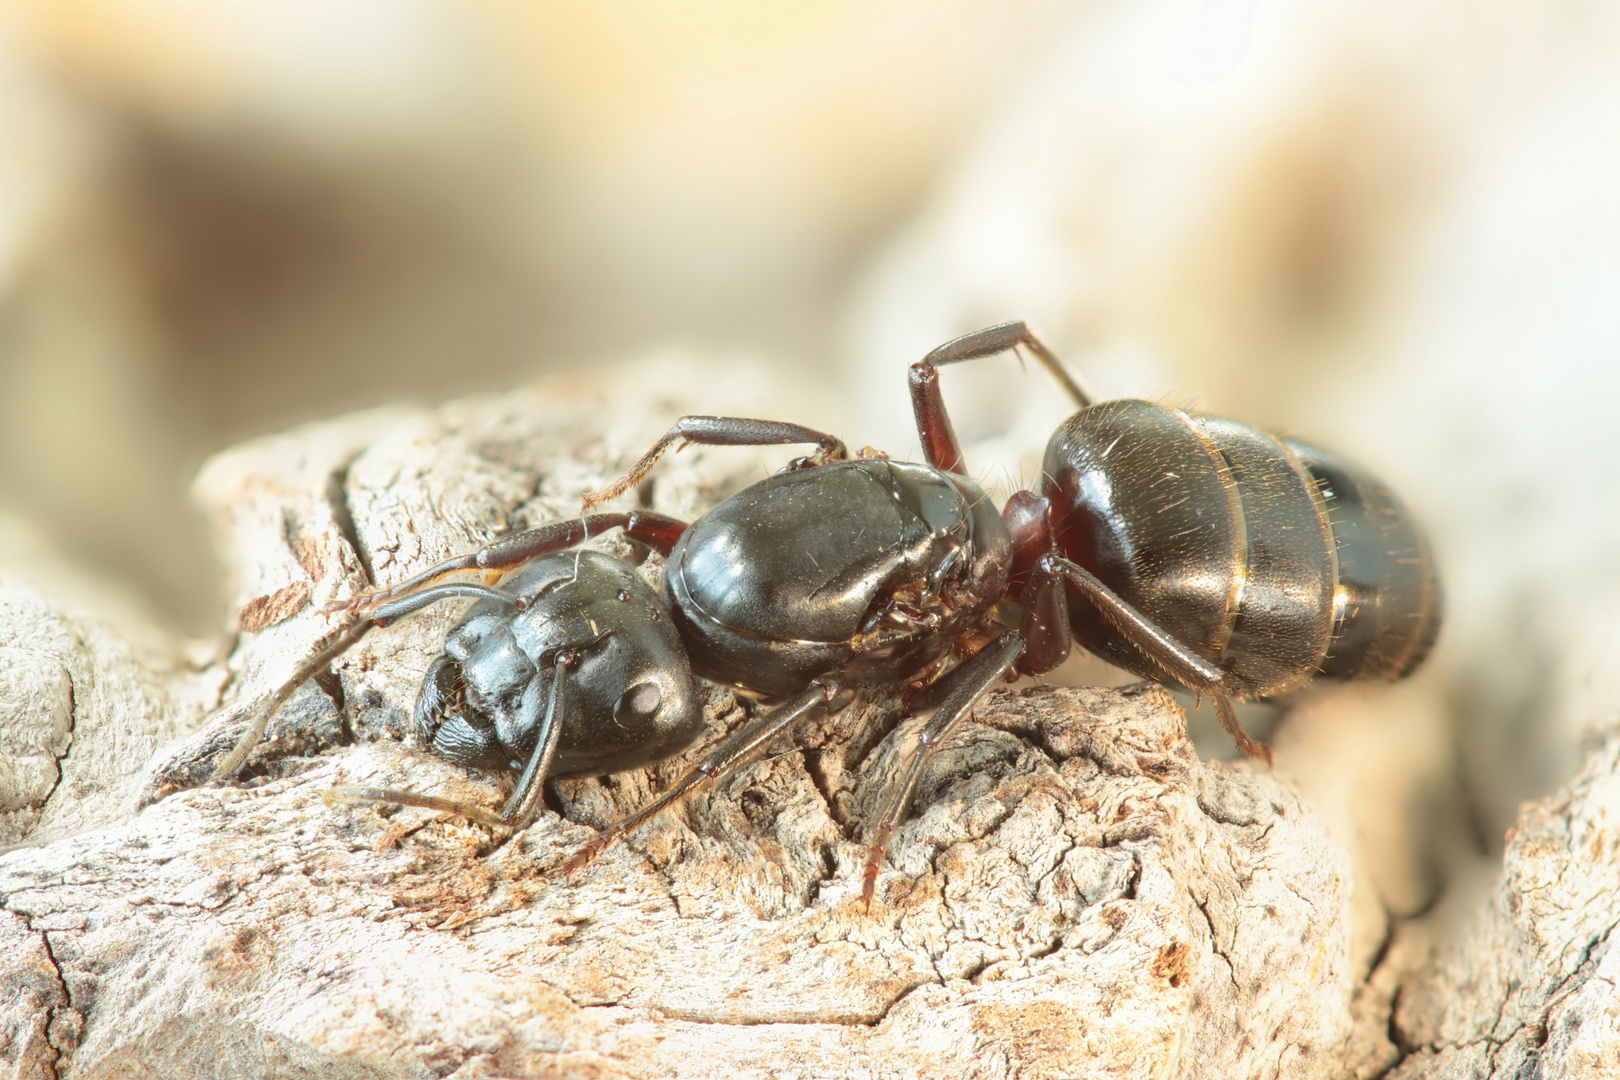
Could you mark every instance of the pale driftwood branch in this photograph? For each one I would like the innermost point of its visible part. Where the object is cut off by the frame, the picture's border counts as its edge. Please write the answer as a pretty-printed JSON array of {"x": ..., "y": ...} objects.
[{"x": 1076, "y": 893}]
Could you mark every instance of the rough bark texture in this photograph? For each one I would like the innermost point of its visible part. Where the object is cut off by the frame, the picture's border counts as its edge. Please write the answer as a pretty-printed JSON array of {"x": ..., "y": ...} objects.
[
  {"x": 1075, "y": 894},
  {"x": 1078, "y": 897},
  {"x": 1531, "y": 989},
  {"x": 85, "y": 697}
]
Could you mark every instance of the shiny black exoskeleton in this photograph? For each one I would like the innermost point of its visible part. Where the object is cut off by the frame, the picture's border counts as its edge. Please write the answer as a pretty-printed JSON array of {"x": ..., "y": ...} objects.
[
  {"x": 1181, "y": 546},
  {"x": 1184, "y": 547},
  {"x": 870, "y": 568},
  {"x": 572, "y": 667},
  {"x": 1259, "y": 553},
  {"x": 591, "y": 641},
  {"x": 1262, "y": 557}
]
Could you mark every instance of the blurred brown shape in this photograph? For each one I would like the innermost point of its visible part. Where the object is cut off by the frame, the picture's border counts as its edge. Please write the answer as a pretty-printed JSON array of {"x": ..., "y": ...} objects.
[{"x": 269, "y": 214}]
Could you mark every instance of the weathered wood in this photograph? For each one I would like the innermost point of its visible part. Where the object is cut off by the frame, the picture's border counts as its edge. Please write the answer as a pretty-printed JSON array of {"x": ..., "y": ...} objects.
[
  {"x": 88, "y": 691},
  {"x": 1076, "y": 894},
  {"x": 1530, "y": 989}
]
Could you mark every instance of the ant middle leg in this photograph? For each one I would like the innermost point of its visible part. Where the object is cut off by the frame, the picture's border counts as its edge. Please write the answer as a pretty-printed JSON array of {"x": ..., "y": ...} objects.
[
  {"x": 968, "y": 684},
  {"x": 721, "y": 431},
  {"x": 736, "y": 750}
]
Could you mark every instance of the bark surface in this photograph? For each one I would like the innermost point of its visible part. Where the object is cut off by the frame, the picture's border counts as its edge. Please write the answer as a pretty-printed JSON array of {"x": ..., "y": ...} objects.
[{"x": 1531, "y": 989}]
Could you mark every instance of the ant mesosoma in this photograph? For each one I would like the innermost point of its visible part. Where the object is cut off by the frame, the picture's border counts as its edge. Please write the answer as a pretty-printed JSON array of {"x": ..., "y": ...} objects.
[{"x": 1180, "y": 546}]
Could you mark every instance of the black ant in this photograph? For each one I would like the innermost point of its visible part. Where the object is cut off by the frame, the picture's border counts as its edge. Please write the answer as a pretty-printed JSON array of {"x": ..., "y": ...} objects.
[{"x": 1183, "y": 547}]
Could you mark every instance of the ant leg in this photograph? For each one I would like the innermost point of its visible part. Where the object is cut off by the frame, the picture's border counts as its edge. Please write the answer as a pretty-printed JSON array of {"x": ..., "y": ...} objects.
[
  {"x": 1045, "y": 625},
  {"x": 720, "y": 431},
  {"x": 1228, "y": 717},
  {"x": 376, "y": 796},
  {"x": 934, "y": 428},
  {"x": 1046, "y": 619},
  {"x": 1008, "y": 335},
  {"x": 1172, "y": 657},
  {"x": 735, "y": 751},
  {"x": 520, "y": 810},
  {"x": 657, "y": 531},
  {"x": 335, "y": 646},
  {"x": 971, "y": 681}
]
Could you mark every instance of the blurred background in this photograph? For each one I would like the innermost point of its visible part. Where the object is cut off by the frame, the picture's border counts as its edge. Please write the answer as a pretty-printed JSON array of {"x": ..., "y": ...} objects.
[{"x": 1391, "y": 227}]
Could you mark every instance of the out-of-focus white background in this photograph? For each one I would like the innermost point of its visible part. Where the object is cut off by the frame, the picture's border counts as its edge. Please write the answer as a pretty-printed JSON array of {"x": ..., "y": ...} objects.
[{"x": 1393, "y": 227}]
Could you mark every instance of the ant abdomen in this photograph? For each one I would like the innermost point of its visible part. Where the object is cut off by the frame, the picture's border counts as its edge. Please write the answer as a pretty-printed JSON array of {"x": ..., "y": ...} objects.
[
  {"x": 1388, "y": 603},
  {"x": 1261, "y": 554}
]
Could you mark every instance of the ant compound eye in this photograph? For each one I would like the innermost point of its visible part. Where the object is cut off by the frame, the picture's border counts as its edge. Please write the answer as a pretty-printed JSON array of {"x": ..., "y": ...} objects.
[{"x": 638, "y": 704}]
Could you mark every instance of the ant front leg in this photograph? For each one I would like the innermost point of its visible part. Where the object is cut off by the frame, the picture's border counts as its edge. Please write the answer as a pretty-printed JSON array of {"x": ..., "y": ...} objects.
[
  {"x": 940, "y": 445},
  {"x": 376, "y": 796},
  {"x": 968, "y": 684},
  {"x": 721, "y": 431},
  {"x": 735, "y": 751},
  {"x": 499, "y": 557},
  {"x": 524, "y": 805},
  {"x": 1046, "y": 601}
]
